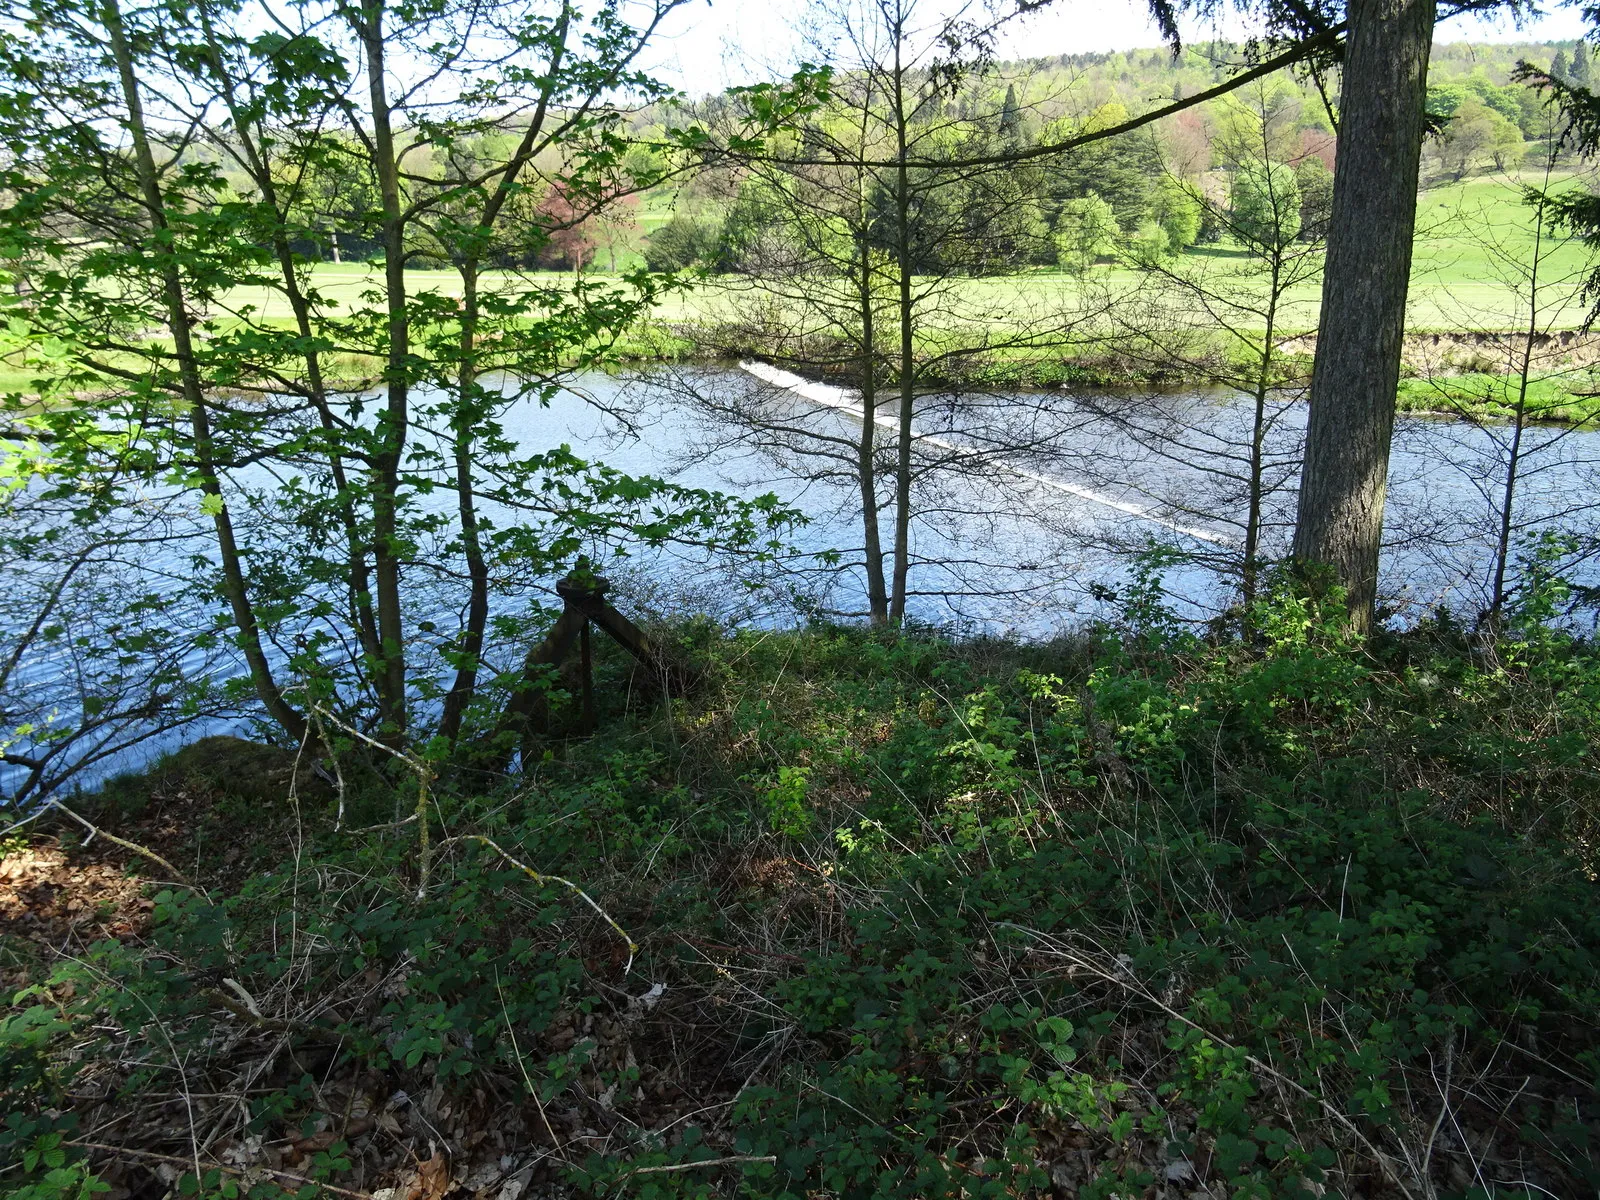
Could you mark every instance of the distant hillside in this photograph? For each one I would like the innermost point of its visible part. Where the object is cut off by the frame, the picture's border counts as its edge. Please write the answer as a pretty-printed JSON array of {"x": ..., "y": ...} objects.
[
  {"x": 1492, "y": 120},
  {"x": 1145, "y": 78},
  {"x": 1486, "y": 122}
]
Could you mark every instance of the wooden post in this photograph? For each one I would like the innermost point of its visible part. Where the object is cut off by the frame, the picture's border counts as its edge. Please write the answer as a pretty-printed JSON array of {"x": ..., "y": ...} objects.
[
  {"x": 587, "y": 595},
  {"x": 583, "y": 595},
  {"x": 590, "y": 721}
]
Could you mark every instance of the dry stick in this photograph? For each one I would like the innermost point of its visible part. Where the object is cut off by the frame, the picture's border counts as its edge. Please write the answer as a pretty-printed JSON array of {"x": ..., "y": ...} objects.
[
  {"x": 238, "y": 1008},
  {"x": 527, "y": 1079},
  {"x": 424, "y": 775},
  {"x": 709, "y": 1162},
  {"x": 540, "y": 877},
  {"x": 338, "y": 772},
  {"x": 400, "y": 824},
  {"x": 168, "y": 1158},
  {"x": 424, "y": 850},
  {"x": 723, "y": 948},
  {"x": 28, "y": 820},
  {"x": 1266, "y": 1068},
  {"x": 96, "y": 831}
]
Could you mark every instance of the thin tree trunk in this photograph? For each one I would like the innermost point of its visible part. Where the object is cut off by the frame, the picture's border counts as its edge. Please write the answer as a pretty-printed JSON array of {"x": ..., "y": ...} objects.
[
  {"x": 359, "y": 583},
  {"x": 908, "y": 381},
  {"x": 866, "y": 464},
  {"x": 233, "y": 580},
  {"x": 470, "y": 647},
  {"x": 1519, "y": 422},
  {"x": 1357, "y": 370},
  {"x": 1258, "y": 438},
  {"x": 394, "y": 421}
]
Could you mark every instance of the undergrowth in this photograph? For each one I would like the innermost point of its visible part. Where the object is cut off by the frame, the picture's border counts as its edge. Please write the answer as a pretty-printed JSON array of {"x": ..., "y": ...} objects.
[{"x": 1133, "y": 914}]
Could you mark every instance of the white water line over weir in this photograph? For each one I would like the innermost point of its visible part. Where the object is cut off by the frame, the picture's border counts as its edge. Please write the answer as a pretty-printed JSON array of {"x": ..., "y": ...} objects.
[{"x": 830, "y": 396}]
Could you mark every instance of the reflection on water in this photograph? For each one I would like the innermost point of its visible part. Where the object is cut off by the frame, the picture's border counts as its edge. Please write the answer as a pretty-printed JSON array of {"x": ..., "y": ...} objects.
[
  {"x": 1001, "y": 546},
  {"x": 1027, "y": 508}
]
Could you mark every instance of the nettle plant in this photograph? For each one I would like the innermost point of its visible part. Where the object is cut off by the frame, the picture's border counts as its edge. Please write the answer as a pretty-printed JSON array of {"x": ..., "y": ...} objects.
[{"x": 345, "y": 509}]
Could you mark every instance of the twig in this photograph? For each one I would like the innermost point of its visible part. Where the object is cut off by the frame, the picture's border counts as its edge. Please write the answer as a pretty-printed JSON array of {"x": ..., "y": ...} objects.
[
  {"x": 408, "y": 759},
  {"x": 129, "y": 1152},
  {"x": 28, "y": 820},
  {"x": 400, "y": 824},
  {"x": 720, "y": 948},
  {"x": 239, "y": 1009},
  {"x": 338, "y": 772},
  {"x": 425, "y": 850},
  {"x": 96, "y": 831},
  {"x": 527, "y": 1079},
  {"x": 539, "y": 877},
  {"x": 708, "y": 1162}
]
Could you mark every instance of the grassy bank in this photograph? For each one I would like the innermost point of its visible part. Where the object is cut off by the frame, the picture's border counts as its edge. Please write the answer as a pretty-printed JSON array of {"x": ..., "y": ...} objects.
[
  {"x": 1124, "y": 914},
  {"x": 1464, "y": 282},
  {"x": 1565, "y": 397},
  {"x": 1488, "y": 397},
  {"x": 1469, "y": 233}
]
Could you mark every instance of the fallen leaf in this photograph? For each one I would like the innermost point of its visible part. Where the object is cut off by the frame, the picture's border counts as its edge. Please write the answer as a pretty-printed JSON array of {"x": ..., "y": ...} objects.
[{"x": 433, "y": 1178}]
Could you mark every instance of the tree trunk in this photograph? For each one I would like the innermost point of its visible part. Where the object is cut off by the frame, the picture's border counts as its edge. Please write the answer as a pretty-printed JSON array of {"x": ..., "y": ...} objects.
[
  {"x": 1357, "y": 370},
  {"x": 1519, "y": 421},
  {"x": 233, "y": 580},
  {"x": 908, "y": 376},
  {"x": 866, "y": 450},
  {"x": 258, "y": 165},
  {"x": 394, "y": 421},
  {"x": 1258, "y": 438},
  {"x": 464, "y": 427},
  {"x": 468, "y": 407}
]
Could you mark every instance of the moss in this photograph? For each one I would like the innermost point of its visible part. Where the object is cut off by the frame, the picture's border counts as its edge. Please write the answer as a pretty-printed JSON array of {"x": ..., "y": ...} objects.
[{"x": 223, "y": 768}]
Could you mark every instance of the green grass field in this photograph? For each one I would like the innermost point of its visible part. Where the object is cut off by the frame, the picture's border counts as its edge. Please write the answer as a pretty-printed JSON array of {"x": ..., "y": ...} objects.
[{"x": 1475, "y": 240}]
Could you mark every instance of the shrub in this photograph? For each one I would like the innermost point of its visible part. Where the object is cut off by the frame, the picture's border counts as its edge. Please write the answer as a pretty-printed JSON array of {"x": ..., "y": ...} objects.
[{"x": 921, "y": 918}]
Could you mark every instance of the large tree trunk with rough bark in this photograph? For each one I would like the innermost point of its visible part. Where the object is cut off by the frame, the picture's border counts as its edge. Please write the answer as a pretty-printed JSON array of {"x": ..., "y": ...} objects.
[{"x": 1357, "y": 371}]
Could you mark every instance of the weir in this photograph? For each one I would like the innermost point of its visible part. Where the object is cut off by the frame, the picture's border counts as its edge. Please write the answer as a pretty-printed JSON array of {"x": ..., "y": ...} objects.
[{"x": 830, "y": 396}]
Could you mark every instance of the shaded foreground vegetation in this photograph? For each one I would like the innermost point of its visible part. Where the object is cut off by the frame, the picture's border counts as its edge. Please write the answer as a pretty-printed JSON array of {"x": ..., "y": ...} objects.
[{"x": 1131, "y": 914}]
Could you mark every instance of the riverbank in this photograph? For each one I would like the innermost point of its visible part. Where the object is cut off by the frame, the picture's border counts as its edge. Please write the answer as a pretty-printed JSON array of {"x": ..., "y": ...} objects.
[
  {"x": 1469, "y": 375},
  {"x": 860, "y": 916}
]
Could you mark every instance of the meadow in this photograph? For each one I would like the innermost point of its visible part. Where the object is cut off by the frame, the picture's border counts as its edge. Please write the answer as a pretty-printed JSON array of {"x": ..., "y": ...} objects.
[
  {"x": 1472, "y": 238},
  {"x": 1475, "y": 239}
]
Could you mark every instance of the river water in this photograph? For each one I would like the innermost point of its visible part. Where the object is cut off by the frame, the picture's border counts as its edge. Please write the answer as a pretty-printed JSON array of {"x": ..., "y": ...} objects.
[
  {"x": 1031, "y": 506},
  {"x": 1029, "y": 509}
]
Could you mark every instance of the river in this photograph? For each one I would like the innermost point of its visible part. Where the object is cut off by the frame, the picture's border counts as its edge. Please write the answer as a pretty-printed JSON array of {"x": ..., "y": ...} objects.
[
  {"x": 1029, "y": 508},
  {"x": 1073, "y": 485}
]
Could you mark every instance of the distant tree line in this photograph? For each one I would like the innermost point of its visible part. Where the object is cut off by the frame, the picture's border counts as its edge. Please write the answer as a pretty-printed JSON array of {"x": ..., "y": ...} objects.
[{"x": 1124, "y": 194}]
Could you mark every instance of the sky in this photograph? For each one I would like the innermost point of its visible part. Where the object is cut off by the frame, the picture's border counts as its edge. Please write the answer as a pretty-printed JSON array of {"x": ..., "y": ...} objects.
[{"x": 712, "y": 44}]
